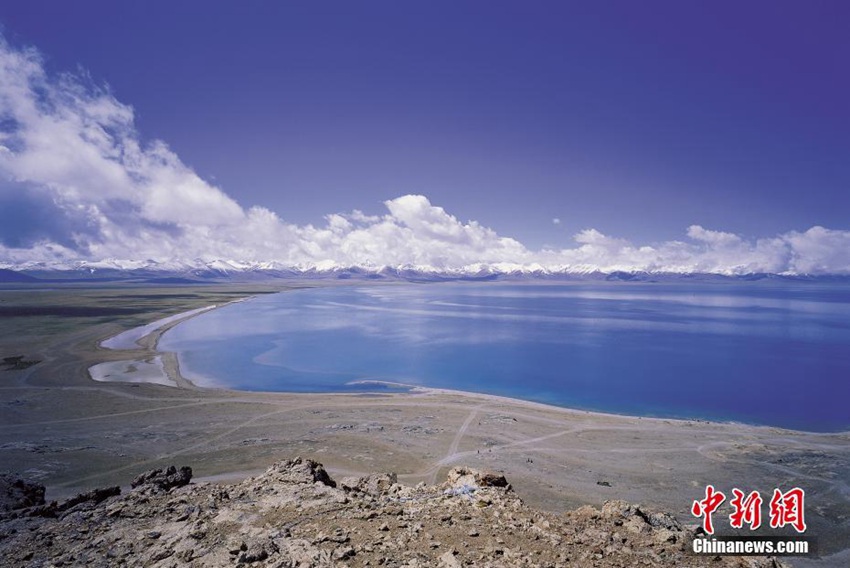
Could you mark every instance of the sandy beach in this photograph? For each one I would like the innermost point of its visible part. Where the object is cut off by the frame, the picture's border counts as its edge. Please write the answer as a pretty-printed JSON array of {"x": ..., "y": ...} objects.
[{"x": 72, "y": 433}]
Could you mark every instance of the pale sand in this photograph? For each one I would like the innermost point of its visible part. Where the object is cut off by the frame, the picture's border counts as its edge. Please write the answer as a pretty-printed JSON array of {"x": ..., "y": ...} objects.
[
  {"x": 150, "y": 370},
  {"x": 131, "y": 338},
  {"x": 74, "y": 433}
]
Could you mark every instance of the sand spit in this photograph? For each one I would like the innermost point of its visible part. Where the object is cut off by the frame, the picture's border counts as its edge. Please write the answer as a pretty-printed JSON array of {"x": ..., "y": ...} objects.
[
  {"x": 159, "y": 368},
  {"x": 72, "y": 434},
  {"x": 132, "y": 338}
]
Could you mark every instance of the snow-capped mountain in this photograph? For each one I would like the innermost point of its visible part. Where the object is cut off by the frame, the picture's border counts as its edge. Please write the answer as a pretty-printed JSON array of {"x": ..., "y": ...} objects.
[{"x": 199, "y": 270}]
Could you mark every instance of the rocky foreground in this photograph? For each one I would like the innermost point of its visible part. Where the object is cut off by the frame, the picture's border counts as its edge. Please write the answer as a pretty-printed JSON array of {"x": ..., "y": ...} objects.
[{"x": 295, "y": 515}]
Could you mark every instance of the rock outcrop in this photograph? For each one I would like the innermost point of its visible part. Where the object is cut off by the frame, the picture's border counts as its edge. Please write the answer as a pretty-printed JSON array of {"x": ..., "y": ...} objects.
[
  {"x": 164, "y": 479},
  {"x": 295, "y": 515},
  {"x": 17, "y": 493}
]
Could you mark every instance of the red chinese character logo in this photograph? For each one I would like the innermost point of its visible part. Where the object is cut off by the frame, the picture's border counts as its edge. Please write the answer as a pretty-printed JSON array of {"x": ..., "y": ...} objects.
[
  {"x": 747, "y": 510},
  {"x": 787, "y": 509},
  {"x": 707, "y": 506}
]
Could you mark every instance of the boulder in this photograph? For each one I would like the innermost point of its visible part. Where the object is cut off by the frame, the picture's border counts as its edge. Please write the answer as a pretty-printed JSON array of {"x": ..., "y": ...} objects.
[
  {"x": 164, "y": 479},
  {"x": 18, "y": 493},
  {"x": 299, "y": 470}
]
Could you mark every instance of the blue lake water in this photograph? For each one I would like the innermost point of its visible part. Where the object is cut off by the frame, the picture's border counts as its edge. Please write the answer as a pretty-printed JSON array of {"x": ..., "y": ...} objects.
[{"x": 773, "y": 353}]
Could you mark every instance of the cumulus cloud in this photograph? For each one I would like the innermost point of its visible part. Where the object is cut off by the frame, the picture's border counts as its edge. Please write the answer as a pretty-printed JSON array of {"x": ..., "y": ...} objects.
[
  {"x": 716, "y": 238},
  {"x": 77, "y": 182},
  {"x": 413, "y": 232}
]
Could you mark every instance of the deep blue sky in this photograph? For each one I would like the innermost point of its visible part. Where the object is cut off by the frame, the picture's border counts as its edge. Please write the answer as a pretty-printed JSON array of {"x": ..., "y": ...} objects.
[{"x": 635, "y": 118}]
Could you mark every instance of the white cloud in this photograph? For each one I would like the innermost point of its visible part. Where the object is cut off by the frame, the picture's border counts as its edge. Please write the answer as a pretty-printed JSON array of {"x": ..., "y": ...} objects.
[
  {"x": 818, "y": 250},
  {"x": 71, "y": 149},
  {"x": 715, "y": 238}
]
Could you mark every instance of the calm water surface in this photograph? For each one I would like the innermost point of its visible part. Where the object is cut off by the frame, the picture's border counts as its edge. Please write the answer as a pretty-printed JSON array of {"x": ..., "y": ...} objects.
[{"x": 756, "y": 352}]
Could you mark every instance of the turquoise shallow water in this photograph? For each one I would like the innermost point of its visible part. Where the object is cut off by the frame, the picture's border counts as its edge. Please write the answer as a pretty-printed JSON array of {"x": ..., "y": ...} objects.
[{"x": 757, "y": 352}]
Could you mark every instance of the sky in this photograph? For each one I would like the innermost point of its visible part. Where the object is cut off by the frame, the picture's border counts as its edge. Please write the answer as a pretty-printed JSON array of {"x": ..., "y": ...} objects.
[{"x": 687, "y": 136}]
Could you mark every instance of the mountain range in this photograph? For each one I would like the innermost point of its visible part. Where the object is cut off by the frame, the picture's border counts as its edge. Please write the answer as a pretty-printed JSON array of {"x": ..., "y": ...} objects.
[{"x": 220, "y": 270}]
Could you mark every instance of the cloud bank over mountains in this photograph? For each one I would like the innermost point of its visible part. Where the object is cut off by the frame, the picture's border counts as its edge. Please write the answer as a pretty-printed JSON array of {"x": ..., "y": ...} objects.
[{"x": 78, "y": 183}]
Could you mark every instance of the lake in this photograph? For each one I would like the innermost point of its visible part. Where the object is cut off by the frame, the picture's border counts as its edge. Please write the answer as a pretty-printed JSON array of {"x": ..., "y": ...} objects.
[{"x": 770, "y": 352}]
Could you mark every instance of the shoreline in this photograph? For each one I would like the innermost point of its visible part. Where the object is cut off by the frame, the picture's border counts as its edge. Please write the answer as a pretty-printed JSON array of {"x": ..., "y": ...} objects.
[
  {"x": 74, "y": 434},
  {"x": 149, "y": 344},
  {"x": 175, "y": 378},
  {"x": 135, "y": 338}
]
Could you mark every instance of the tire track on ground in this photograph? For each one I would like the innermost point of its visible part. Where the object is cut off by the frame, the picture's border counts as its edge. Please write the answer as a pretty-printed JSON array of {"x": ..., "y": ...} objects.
[{"x": 452, "y": 451}]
